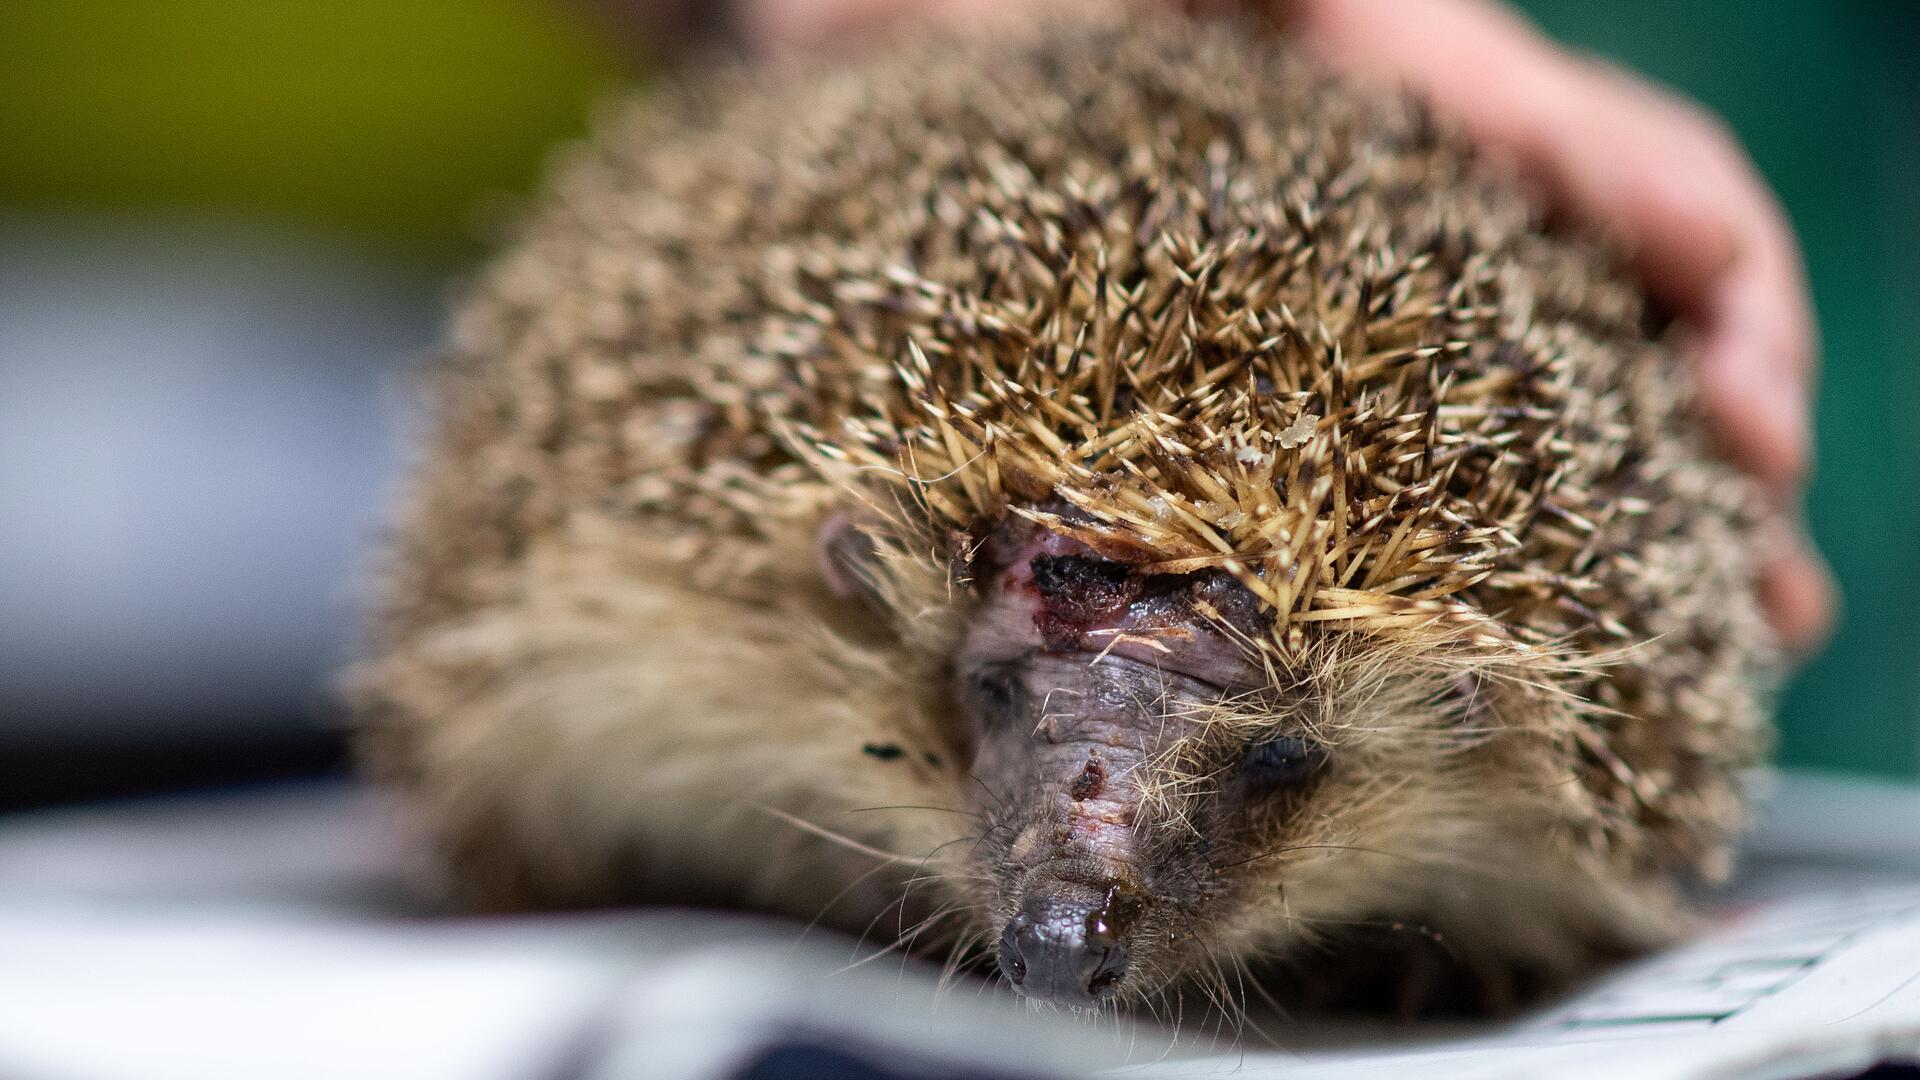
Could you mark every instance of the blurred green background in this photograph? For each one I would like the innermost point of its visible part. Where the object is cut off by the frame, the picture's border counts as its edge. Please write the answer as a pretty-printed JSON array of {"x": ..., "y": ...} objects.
[
  {"x": 1826, "y": 96},
  {"x": 403, "y": 130},
  {"x": 395, "y": 124}
]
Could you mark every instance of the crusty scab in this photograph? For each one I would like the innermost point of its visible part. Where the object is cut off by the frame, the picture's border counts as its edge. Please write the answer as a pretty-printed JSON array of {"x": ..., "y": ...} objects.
[
  {"x": 1203, "y": 622},
  {"x": 1092, "y": 779},
  {"x": 1077, "y": 593},
  {"x": 1249, "y": 528}
]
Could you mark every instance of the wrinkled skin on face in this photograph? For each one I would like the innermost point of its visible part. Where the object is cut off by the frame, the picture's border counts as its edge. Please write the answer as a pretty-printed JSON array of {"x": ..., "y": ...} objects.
[
  {"x": 1116, "y": 794},
  {"x": 1159, "y": 798}
]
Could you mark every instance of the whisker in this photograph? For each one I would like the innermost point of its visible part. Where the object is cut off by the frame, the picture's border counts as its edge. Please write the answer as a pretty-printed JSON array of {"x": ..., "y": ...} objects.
[
  {"x": 842, "y": 839},
  {"x": 999, "y": 801},
  {"x": 904, "y": 939},
  {"x": 835, "y": 899},
  {"x": 1288, "y": 849},
  {"x": 1245, "y": 977},
  {"x": 1280, "y": 1011},
  {"x": 911, "y": 806}
]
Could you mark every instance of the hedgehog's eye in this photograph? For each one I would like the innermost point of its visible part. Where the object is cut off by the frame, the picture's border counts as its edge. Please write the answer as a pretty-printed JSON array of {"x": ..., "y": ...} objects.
[
  {"x": 996, "y": 693},
  {"x": 1281, "y": 762}
]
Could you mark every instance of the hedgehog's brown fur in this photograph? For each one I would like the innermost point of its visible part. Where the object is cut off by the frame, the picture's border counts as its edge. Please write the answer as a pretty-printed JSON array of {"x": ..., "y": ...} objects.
[{"x": 1239, "y": 316}]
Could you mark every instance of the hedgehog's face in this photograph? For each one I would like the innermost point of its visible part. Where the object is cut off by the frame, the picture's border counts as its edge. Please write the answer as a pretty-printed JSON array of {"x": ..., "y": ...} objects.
[{"x": 1147, "y": 784}]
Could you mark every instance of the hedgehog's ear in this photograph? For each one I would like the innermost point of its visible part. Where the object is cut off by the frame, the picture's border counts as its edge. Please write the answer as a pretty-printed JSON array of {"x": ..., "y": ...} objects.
[{"x": 848, "y": 558}]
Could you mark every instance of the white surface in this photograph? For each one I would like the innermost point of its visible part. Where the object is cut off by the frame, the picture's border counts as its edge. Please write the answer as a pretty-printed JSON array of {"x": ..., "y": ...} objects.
[
  {"x": 266, "y": 934},
  {"x": 190, "y": 996},
  {"x": 1823, "y": 983}
]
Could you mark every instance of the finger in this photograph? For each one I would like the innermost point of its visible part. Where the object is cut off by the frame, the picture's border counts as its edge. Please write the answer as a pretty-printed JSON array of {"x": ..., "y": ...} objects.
[
  {"x": 1753, "y": 376},
  {"x": 1797, "y": 593},
  {"x": 1564, "y": 124},
  {"x": 1673, "y": 184},
  {"x": 778, "y": 26},
  {"x": 1754, "y": 317},
  {"x": 1666, "y": 178},
  {"x": 1712, "y": 242}
]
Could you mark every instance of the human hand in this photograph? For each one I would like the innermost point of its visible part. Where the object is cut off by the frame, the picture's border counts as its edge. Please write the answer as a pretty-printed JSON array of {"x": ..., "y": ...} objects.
[
  {"x": 1672, "y": 183},
  {"x": 1597, "y": 145}
]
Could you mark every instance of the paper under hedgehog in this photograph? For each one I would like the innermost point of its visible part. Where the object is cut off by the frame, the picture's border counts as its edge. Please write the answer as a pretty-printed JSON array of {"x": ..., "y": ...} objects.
[{"x": 1113, "y": 502}]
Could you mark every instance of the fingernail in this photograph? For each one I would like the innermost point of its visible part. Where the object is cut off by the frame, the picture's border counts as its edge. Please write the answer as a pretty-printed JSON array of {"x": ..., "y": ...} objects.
[
  {"x": 1763, "y": 410},
  {"x": 1797, "y": 589},
  {"x": 1688, "y": 195},
  {"x": 1792, "y": 427}
]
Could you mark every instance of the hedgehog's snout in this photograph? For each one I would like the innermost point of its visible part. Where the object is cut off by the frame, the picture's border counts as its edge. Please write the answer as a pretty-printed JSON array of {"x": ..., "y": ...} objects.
[{"x": 1069, "y": 942}]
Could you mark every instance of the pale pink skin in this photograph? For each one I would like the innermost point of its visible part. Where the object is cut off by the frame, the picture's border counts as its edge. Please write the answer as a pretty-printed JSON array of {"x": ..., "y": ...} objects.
[{"x": 1598, "y": 145}]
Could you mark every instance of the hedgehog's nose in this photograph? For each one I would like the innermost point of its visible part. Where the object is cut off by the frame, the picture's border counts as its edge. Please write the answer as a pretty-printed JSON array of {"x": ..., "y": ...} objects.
[{"x": 1065, "y": 950}]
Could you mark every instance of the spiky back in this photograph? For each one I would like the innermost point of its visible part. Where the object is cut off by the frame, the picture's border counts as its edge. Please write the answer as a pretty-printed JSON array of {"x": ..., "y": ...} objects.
[{"x": 1233, "y": 313}]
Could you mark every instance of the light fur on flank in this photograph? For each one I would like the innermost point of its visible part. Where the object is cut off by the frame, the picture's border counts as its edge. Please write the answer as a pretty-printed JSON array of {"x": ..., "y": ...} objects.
[{"x": 1162, "y": 290}]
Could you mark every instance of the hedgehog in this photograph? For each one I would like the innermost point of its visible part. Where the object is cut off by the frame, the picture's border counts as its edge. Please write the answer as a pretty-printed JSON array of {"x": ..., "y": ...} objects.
[{"x": 1112, "y": 503}]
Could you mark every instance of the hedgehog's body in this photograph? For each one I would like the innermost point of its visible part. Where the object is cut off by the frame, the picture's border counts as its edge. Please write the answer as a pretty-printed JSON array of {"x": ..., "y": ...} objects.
[{"x": 1187, "y": 494}]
